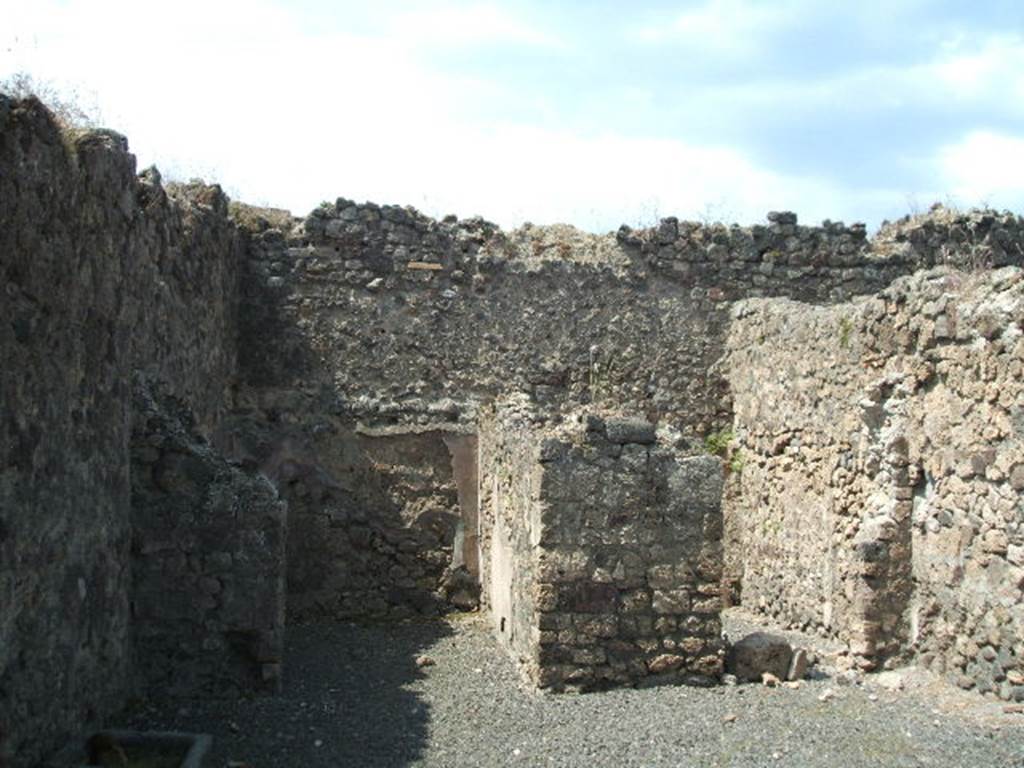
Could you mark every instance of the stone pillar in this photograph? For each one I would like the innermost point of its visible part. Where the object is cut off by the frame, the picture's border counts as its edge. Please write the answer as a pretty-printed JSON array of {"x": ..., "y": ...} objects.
[{"x": 603, "y": 550}]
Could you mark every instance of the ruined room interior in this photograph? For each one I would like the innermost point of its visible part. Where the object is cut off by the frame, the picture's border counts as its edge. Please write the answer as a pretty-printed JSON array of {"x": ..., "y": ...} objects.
[{"x": 219, "y": 420}]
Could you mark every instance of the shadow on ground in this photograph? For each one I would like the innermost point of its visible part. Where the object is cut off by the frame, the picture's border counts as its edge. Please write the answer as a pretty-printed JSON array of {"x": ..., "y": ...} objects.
[{"x": 345, "y": 702}]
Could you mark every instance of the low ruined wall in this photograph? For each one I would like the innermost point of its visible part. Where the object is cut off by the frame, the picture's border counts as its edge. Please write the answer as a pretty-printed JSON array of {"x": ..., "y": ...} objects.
[
  {"x": 381, "y": 314},
  {"x": 882, "y": 468},
  {"x": 102, "y": 273},
  {"x": 604, "y": 551},
  {"x": 388, "y": 317},
  {"x": 208, "y": 562}
]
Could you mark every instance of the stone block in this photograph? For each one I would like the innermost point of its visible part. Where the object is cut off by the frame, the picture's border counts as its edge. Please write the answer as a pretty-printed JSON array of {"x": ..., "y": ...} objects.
[
  {"x": 676, "y": 601},
  {"x": 629, "y": 430},
  {"x": 590, "y": 597},
  {"x": 666, "y": 662},
  {"x": 759, "y": 653}
]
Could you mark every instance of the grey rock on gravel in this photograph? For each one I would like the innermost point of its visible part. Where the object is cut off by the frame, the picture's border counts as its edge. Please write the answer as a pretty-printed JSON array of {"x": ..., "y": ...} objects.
[{"x": 758, "y": 653}]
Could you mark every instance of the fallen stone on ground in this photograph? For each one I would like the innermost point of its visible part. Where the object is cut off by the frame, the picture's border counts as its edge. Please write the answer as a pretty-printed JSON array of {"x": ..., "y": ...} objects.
[{"x": 759, "y": 653}]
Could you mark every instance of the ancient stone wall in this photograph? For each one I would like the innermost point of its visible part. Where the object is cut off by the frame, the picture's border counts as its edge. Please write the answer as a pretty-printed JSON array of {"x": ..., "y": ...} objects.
[
  {"x": 882, "y": 464},
  {"x": 604, "y": 547},
  {"x": 386, "y": 322},
  {"x": 102, "y": 273},
  {"x": 373, "y": 517},
  {"x": 390, "y": 317},
  {"x": 383, "y": 314},
  {"x": 363, "y": 318},
  {"x": 208, "y": 561},
  {"x": 349, "y": 355},
  {"x": 827, "y": 263}
]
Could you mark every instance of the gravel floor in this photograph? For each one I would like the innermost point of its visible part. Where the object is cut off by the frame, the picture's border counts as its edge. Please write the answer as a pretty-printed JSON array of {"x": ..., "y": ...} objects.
[{"x": 354, "y": 696}]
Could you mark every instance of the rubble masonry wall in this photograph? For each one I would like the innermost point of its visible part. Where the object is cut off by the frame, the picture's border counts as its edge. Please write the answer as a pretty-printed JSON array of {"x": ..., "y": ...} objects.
[
  {"x": 106, "y": 277},
  {"x": 605, "y": 550},
  {"x": 880, "y": 494}
]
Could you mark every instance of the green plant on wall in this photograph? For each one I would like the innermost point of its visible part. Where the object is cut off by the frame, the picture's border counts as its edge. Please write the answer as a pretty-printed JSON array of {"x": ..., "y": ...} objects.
[
  {"x": 845, "y": 328},
  {"x": 717, "y": 443},
  {"x": 737, "y": 461},
  {"x": 722, "y": 445}
]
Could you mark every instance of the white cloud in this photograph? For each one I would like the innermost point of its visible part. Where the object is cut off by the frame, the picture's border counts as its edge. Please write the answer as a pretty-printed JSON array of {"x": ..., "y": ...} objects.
[
  {"x": 992, "y": 70},
  {"x": 289, "y": 118},
  {"x": 986, "y": 167},
  {"x": 973, "y": 80},
  {"x": 728, "y": 27},
  {"x": 511, "y": 173},
  {"x": 285, "y": 114},
  {"x": 468, "y": 24}
]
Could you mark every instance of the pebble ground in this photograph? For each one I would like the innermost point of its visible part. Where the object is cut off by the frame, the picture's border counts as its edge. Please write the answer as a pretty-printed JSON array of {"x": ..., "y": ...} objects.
[{"x": 355, "y": 696}]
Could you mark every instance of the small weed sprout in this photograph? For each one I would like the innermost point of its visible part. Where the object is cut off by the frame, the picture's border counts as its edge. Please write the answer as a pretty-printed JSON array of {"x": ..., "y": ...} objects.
[
  {"x": 723, "y": 445},
  {"x": 845, "y": 328},
  {"x": 737, "y": 462},
  {"x": 717, "y": 443}
]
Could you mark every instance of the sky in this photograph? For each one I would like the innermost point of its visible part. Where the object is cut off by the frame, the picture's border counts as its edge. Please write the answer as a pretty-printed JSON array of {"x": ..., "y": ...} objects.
[{"x": 591, "y": 113}]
